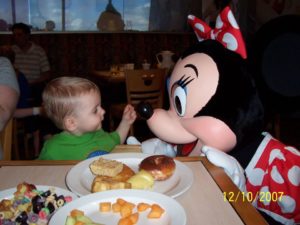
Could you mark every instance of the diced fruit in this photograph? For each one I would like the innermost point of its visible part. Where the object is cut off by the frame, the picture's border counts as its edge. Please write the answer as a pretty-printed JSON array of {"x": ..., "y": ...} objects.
[
  {"x": 134, "y": 217},
  {"x": 129, "y": 205},
  {"x": 156, "y": 211},
  {"x": 129, "y": 212},
  {"x": 105, "y": 206},
  {"x": 121, "y": 201},
  {"x": 157, "y": 207},
  {"x": 80, "y": 220},
  {"x": 125, "y": 210},
  {"x": 143, "y": 206},
  {"x": 154, "y": 214},
  {"x": 116, "y": 207},
  {"x": 80, "y": 223},
  {"x": 84, "y": 219},
  {"x": 125, "y": 221},
  {"x": 70, "y": 221},
  {"x": 76, "y": 212}
]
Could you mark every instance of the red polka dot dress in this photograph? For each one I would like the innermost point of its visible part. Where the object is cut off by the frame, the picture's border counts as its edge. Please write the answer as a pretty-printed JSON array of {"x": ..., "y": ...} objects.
[{"x": 273, "y": 179}]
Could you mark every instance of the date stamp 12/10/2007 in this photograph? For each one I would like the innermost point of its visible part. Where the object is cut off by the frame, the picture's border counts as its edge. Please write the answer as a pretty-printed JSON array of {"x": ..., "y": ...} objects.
[{"x": 231, "y": 196}]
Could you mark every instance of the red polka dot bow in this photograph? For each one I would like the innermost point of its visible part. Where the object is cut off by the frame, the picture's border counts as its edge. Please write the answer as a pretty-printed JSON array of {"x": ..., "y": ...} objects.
[{"x": 226, "y": 31}]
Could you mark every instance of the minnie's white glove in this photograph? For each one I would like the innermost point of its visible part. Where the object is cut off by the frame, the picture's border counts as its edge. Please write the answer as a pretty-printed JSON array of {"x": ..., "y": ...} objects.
[
  {"x": 154, "y": 146},
  {"x": 230, "y": 165}
]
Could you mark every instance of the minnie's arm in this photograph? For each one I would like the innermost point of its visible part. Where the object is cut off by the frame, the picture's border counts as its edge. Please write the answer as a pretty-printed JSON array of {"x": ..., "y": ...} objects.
[{"x": 230, "y": 165}]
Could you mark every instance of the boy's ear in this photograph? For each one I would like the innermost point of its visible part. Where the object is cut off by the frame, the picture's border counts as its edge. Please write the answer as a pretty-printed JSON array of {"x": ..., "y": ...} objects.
[{"x": 70, "y": 123}]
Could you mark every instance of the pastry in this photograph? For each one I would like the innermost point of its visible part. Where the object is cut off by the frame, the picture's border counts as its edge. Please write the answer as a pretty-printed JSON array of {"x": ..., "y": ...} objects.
[
  {"x": 119, "y": 181},
  {"x": 106, "y": 167},
  {"x": 160, "y": 166}
]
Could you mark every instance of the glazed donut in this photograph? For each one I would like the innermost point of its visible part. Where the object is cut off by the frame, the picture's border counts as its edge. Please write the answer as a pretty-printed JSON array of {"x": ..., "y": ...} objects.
[{"x": 160, "y": 166}]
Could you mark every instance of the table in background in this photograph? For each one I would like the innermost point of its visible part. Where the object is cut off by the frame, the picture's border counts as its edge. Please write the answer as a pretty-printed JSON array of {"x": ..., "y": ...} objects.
[
  {"x": 106, "y": 76},
  {"x": 204, "y": 202}
]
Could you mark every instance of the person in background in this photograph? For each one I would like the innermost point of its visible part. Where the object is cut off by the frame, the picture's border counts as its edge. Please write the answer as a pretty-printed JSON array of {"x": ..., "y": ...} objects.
[
  {"x": 74, "y": 105},
  {"x": 9, "y": 93},
  {"x": 31, "y": 60},
  {"x": 24, "y": 110}
]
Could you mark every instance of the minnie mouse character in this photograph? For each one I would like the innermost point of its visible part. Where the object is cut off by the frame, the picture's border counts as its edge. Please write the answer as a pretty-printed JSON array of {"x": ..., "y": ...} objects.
[{"x": 215, "y": 111}]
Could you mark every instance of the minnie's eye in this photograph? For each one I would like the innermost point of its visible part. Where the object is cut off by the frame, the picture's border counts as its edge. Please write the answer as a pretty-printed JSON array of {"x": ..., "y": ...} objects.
[{"x": 179, "y": 99}]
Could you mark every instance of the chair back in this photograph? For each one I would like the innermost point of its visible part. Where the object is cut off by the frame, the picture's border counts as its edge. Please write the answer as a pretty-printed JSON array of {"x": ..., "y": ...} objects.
[
  {"x": 275, "y": 58},
  {"x": 145, "y": 85},
  {"x": 6, "y": 140}
]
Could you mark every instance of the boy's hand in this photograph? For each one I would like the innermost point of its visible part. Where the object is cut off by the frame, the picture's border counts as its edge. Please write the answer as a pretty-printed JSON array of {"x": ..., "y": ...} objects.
[{"x": 129, "y": 114}]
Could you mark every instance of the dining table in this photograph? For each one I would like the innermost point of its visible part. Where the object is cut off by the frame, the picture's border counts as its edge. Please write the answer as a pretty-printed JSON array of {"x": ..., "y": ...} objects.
[
  {"x": 108, "y": 76},
  {"x": 211, "y": 199}
]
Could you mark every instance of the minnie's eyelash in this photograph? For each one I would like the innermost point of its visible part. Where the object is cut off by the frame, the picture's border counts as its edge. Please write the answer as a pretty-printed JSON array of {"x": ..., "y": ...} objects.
[{"x": 183, "y": 82}]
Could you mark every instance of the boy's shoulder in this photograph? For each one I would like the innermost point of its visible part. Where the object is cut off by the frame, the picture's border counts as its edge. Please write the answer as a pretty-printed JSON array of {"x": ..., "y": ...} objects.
[
  {"x": 55, "y": 147},
  {"x": 55, "y": 139}
]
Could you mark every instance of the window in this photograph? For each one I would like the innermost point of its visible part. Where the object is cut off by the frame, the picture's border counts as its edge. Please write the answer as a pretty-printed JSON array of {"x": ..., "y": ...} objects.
[
  {"x": 83, "y": 15},
  {"x": 73, "y": 15}
]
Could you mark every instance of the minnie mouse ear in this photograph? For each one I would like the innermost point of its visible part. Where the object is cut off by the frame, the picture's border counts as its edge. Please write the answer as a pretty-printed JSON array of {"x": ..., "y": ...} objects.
[{"x": 227, "y": 31}]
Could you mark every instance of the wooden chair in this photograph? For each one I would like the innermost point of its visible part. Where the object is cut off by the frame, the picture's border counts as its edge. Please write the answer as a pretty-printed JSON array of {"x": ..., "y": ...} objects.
[
  {"x": 6, "y": 140},
  {"x": 141, "y": 85},
  {"x": 21, "y": 138}
]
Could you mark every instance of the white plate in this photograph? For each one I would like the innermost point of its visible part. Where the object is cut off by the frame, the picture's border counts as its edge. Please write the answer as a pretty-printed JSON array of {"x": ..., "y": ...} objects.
[
  {"x": 9, "y": 193},
  {"x": 79, "y": 179},
  {"x": 174, "y": 213}
]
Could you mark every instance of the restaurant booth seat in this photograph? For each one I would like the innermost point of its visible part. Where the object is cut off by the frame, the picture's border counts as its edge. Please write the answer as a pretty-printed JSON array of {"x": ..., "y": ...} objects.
[{"x": 141, "y": 85}]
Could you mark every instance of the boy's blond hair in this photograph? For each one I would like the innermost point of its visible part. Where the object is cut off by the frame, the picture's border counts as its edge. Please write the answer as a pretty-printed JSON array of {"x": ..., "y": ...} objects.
[{"x": 60, "y": 97}]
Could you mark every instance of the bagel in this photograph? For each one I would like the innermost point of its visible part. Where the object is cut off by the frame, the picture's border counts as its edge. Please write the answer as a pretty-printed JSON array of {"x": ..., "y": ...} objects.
[{"x": 161, "y": 167}]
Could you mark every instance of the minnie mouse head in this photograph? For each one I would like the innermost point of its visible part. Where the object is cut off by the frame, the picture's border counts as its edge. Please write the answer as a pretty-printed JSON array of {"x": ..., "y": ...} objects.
[
  {"x": 212, "y": 99},
  {"x": 214, "y": 104}
]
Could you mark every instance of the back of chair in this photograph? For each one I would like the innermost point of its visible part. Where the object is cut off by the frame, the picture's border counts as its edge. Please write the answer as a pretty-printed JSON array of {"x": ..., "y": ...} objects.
[
  {"x": 6, "y": 140},
  {"x": 146, "y": 85},
  {"x": 275, "y": 58}
]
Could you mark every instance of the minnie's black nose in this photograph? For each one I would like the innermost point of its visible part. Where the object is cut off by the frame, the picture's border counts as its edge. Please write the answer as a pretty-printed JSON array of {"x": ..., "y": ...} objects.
[{"x": 145, "y": 110}]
